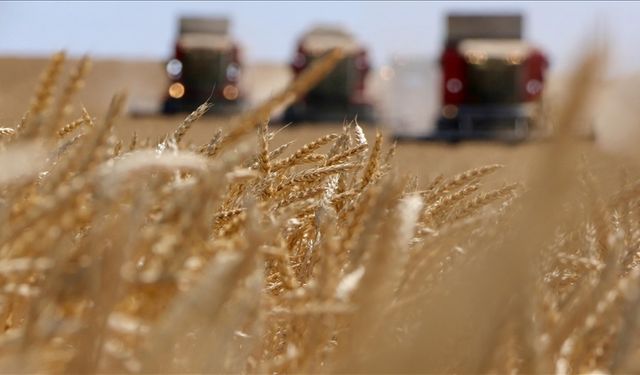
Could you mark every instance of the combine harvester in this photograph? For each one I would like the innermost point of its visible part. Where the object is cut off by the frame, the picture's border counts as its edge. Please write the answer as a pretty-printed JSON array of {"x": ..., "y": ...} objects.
[
  {"x": 492, "y": 81},
  {"x": 341, "y": 95},
  {"x": 206, "y": 66}
]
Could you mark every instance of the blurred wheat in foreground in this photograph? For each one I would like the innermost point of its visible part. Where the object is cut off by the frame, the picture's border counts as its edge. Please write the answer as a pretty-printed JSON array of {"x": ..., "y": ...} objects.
[{"x": 245, "y": 255}]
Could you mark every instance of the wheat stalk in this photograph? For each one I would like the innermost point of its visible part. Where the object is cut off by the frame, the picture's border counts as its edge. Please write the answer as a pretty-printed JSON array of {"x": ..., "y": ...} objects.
[
  {"x": 304, "y": 151},
  {"x": 74, "y": 84},
  {"x": 186, "y": 124},
  {"x": 70, "y": 127},
  {"x": 373, "y": 163},
  {"x": 7, "y": 131},
  {"x": 213, "y": 259}
]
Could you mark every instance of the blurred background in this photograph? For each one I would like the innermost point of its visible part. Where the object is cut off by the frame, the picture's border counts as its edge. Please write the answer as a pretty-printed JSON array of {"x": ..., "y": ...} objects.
[
  {"x": 133, "y": 41},
  {"x": 267, "y": 30}
]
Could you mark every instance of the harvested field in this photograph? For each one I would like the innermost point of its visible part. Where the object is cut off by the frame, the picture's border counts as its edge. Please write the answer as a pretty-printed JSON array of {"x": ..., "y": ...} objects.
[
  {"x": 145, "y": 84},
  {"x": 425, "y": 159}
]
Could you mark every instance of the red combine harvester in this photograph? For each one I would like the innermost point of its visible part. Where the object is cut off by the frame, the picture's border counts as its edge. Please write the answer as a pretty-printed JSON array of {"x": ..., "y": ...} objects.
[
  {"x": 492, "y": 80},
  {"x": 340, "y": 95},
  {"x": 206, "y": 65}
]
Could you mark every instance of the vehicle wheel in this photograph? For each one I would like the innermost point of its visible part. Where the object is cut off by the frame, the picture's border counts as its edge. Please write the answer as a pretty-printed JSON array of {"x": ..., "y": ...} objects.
[
  {"x": 170, "y": 107},
  {"x": 294, "y": 115},
  {"x": 453, "y": 140},
  {"x": 447, "y": 125}
]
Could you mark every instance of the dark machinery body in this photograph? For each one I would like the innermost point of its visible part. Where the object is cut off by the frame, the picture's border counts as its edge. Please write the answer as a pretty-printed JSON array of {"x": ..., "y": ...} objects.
[
  {"x": 205, "y": 67},
  {"x": 340, "y": 95},
  {"x": 492, "y": 81}
]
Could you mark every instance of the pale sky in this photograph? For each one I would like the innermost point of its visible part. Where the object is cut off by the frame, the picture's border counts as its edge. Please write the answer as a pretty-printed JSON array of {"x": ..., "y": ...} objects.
[{"x": 268, "y": 30}]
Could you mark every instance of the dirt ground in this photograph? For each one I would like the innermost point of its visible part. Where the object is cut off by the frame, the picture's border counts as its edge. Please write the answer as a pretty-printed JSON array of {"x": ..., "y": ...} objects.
[{"x": 145, "y": 84}]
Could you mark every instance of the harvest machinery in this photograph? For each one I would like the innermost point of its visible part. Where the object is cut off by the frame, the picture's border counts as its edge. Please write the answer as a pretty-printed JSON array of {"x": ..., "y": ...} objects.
[
  {"x": 492, "y": 80},
  {"x": 341, "y": 94},
  {"x": 206, "y": 65}
]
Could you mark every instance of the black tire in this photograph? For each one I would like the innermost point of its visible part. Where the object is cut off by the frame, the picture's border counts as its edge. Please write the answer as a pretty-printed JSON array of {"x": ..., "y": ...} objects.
[
  {"x": 292, "y": 115},
  {"x": 453, "y": 140},
  {"x": 171, "y": 107},
  {"x": 447, "y": 125}
]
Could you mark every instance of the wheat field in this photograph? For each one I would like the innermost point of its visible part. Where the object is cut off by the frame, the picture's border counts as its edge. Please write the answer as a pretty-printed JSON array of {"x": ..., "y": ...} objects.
[{"x": 250, "y": 248}]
